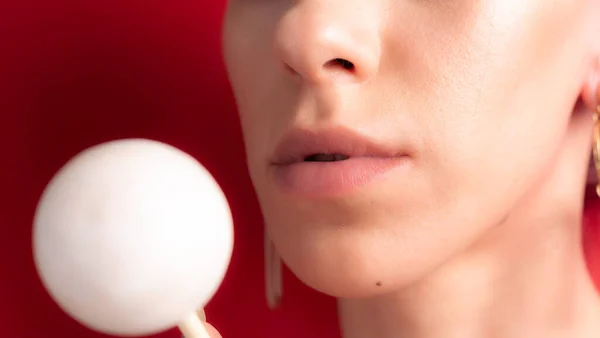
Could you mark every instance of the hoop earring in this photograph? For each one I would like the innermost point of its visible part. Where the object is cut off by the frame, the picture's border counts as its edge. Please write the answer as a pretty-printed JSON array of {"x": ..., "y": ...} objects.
[
  {"x": 596, "y": 141},
  {"x": 273, "y": 280}
]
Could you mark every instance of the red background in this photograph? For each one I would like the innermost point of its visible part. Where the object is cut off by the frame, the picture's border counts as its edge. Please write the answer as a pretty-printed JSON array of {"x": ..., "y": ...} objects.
[{"x": 76, "y": 73}]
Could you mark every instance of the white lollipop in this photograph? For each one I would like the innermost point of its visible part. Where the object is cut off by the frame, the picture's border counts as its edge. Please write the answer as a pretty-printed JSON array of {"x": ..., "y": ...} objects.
[{"x": 131, "y": 237}]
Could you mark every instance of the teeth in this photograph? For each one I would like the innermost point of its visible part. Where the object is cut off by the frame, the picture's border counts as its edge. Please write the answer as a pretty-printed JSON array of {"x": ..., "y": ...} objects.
[{"x": 326, "y": 158}]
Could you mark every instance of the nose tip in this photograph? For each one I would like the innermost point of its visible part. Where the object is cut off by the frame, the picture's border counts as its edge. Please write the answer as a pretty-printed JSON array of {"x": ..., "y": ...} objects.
[{"x": 325, "y": 48}]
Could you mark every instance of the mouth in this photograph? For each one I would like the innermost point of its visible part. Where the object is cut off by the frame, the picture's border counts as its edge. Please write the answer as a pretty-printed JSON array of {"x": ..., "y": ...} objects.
[
  {"x": 330, "y": 163},
  {"x": 326, "y": 158},
  {"x": 334, "y": 145}
]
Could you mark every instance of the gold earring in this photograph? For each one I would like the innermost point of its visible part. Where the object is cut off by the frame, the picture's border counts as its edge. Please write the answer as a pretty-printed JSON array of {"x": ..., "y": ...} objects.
[
  {"x": 273, "y": 279},
  {"x": 596, "y": 144}
]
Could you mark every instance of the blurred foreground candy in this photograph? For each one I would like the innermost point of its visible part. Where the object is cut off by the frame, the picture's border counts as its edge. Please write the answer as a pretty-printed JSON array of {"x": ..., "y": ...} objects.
[{"x": 131, "y": 237}]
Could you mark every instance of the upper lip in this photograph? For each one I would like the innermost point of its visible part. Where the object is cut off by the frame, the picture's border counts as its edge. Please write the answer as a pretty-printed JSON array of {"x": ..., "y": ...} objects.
[{"x": 298, "y": 144}]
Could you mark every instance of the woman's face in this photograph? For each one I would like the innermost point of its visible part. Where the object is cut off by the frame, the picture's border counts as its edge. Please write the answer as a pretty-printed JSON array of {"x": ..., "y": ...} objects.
[{"x": 442, "y": 115}]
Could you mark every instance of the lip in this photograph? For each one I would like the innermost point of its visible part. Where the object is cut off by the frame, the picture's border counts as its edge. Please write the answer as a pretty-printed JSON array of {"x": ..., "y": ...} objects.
[{"x": 367, "y": 161}]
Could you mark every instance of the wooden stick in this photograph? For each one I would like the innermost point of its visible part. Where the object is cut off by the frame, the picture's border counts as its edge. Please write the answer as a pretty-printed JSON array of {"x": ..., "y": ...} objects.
[
  {"x": 202, "y": 315},
  {"x": 193, "y": 327}
]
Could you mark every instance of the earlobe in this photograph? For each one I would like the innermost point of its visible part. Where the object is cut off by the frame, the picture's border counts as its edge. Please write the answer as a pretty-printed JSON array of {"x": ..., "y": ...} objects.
[{"x": 273, "y": 278}]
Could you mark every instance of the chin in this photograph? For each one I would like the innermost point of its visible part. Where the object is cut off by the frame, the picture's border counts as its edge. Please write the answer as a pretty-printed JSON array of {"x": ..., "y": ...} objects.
[
  {"x": 356, "y": 284},
  {"x": 354, "y": 260},
  {"x": 357, "y": 272},
  {"x": 370, "y": 246},
  {"x": 382, "y": 238}
]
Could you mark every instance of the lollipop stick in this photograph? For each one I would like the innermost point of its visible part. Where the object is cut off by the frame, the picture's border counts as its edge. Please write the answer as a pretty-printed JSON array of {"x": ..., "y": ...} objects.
[{"x": 192, "y": 327}]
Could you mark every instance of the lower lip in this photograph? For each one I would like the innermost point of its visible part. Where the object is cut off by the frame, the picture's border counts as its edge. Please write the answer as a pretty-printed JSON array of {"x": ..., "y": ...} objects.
[{"x": 323, "y": 179}]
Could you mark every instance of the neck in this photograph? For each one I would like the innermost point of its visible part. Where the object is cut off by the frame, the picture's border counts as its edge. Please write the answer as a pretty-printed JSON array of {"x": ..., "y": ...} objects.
[
  {"x": 527, "y": 278},
  {"x": 537, "y": 288}
]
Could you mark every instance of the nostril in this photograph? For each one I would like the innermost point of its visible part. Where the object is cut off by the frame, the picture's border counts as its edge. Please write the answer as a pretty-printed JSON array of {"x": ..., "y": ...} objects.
[
  {"x": 340, "y": 63},
  {"x": 334, "y": 68}
]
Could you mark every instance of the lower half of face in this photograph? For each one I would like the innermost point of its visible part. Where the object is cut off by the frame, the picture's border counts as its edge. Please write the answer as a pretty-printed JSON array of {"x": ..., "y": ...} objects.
[{"x": 469, "y": 103}]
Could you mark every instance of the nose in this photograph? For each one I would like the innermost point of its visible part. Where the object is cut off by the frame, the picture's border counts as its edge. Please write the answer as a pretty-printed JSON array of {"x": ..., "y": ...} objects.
[{"x": 330, "y": 41}]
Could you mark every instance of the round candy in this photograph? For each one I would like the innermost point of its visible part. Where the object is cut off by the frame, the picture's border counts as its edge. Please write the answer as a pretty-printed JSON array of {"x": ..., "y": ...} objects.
[{"x": 132, "y": 236}]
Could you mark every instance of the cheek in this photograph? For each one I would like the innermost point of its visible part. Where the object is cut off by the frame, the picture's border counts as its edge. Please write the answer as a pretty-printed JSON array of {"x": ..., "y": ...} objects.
[
  {"x": 502, "y": 96},
  {"x": 243, "y": 76},
  {"x": 263, "y": 96}
]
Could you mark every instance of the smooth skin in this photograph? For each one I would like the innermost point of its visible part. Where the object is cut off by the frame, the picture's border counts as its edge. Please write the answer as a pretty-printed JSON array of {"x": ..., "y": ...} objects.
[{"x": 493, "y": 102}]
